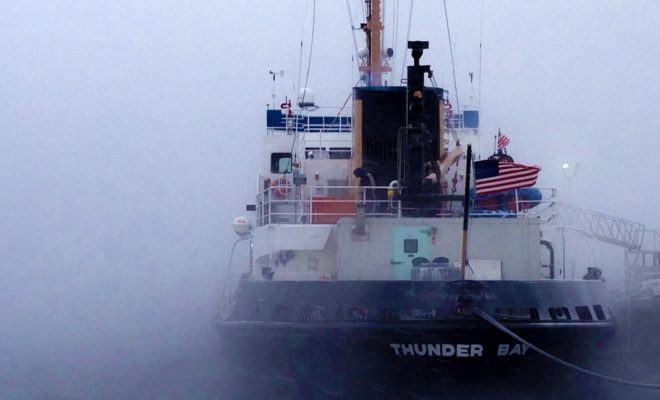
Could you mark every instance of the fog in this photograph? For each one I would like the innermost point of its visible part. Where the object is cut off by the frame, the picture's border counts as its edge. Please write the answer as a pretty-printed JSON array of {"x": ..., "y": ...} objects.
[{"x": 130, "y": 136}]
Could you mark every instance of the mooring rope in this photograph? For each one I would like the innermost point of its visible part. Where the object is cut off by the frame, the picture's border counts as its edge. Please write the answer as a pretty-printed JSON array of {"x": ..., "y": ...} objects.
[{"x": 508, "y": 332}]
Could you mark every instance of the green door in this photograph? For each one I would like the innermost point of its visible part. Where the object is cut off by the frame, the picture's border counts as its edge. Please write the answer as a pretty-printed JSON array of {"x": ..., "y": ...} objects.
[{"x": 410, "y": 242}]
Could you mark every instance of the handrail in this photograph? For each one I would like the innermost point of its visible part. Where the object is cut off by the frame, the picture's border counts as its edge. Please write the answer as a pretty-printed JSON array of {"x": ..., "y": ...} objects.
[
  {"x": 320, "y": 204},
  {"x": 336, "y": 122},
  {"x": 306, "y": 204}
]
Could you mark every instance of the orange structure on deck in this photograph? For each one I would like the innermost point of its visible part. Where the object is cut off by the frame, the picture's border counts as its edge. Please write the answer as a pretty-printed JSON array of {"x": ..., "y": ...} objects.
[{"x": 328, "y": 209}]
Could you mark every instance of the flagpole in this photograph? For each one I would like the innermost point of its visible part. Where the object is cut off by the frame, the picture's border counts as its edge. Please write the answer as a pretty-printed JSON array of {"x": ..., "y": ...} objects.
[
  {"x": 466, "y": 208},
  {"x": 495, "y": 143}
]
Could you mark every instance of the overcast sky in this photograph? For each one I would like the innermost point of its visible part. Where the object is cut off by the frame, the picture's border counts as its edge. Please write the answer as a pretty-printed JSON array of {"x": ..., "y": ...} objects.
[{"x": 128, "y": 129}]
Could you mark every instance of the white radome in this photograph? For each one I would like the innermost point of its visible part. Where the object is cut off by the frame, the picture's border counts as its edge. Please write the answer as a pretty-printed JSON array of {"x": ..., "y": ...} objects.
[
  {"x": 242, "y": 225},
  {"x": 305, "y": 97}
]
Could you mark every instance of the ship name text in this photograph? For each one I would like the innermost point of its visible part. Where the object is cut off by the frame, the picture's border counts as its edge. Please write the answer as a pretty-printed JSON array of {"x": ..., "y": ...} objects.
[{"x": 457, "y": 350}]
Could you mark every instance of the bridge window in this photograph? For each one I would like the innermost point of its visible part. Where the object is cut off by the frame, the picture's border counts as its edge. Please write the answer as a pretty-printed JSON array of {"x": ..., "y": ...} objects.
[{"x": 280, "y": 163}]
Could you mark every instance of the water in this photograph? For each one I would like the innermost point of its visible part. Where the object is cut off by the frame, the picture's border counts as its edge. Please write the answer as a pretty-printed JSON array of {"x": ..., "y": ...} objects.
[
  {"x": 185, "y": 368},
  {"x": 185, "y": 361},
  {"x": 191, "y": 370}
]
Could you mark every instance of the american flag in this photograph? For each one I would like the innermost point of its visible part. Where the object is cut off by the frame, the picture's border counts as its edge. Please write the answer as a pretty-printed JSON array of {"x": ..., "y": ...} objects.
[
  {"x": 492, "y": 176},
  {"x": 502, "y": 141}
]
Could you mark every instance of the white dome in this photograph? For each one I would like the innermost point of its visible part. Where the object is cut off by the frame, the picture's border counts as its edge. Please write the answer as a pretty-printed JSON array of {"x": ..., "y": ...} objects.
[
  {"x": 242, "y": 225},
  {"x": 305, "y": 97}
]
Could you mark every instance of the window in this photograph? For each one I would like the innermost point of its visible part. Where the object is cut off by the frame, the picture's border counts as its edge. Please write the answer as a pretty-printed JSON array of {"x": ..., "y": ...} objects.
[
  {"x": 340, "y": 153},
  {"x": 280, "y": 163},
  {"x": 410, "y": 246}
]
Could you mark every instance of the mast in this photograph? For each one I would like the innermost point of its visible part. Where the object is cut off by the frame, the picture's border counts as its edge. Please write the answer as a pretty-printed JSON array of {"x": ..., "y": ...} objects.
[
  {"x": 466, "y": 211},
  {"x": 372, "y": 28}
]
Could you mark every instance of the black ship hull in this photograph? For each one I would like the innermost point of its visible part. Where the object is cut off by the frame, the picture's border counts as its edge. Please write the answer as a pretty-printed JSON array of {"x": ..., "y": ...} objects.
[{"x": 428, "y": 351}]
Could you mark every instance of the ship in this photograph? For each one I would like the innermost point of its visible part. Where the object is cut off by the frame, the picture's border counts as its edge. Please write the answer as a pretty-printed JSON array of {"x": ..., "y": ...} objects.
[{"x": 375, "y": 269}]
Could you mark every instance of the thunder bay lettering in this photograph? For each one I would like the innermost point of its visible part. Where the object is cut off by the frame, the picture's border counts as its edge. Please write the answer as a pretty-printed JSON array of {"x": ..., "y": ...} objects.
[{"x": 455, "y": 350}]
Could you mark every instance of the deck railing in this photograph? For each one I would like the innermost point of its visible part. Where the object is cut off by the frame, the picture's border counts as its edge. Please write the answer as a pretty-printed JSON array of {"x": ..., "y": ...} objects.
[
  {"x": 335, "y": 120},
  {"x": 291, "y": 204}
]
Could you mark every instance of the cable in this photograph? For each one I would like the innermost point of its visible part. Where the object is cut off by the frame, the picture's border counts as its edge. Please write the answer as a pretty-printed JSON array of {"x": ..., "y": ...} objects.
[
  {"x": 433, "y": 82},
  {"x": 451, "y": 52},
  {"x": 395, "y": 33},
  {"x": 505, "y": 330},
  {"x": 403, "y": 65},
  {"x": 383, "y": 16},
  {"x": 481, "y": 26},
  {"x": 309, "y": 63},
  {"x": 355, "y": 45},
  {"x": 345, "y": 102},
  {"x": 311, "y": 48},
  {"x": 302, "y": 35}
]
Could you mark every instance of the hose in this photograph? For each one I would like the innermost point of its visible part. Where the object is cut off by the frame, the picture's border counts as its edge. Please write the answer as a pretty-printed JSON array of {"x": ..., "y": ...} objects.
[{"x": 558, "y": 360}]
